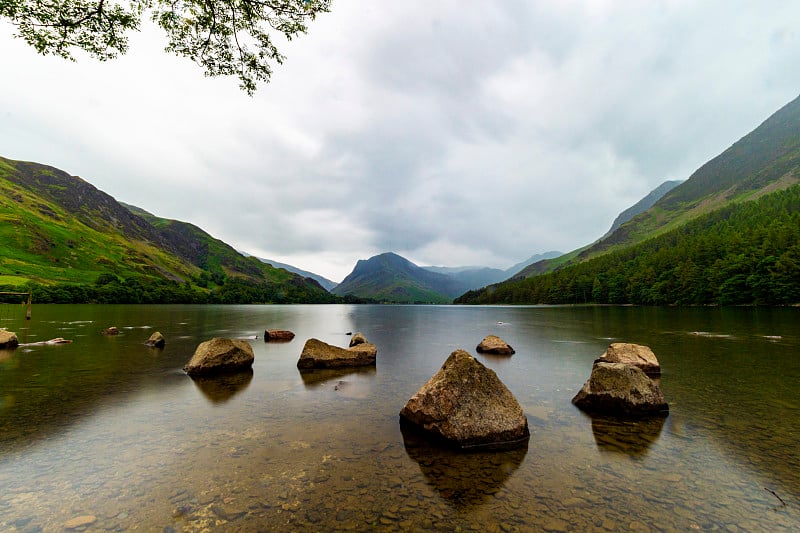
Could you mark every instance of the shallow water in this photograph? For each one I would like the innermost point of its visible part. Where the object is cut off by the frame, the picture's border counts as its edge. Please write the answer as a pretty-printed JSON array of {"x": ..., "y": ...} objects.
[{"x": 108, "y": 428}]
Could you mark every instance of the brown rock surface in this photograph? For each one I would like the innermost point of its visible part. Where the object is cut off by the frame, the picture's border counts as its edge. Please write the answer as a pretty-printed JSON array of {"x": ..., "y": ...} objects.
[
  {"x": 219, "y": 356},
  {"x": 620, "y": 389},
  {"x": 279, "y": 335},
  {"x": 637, "y": 355},
  {"x": 318, "y": 354},
  {"x": 113, "y": 330},
  {"x": 492, "y": 344},
  {"x": 156, "y": 340},
  {"x": 467, "y": 405},
  {"x": 357, "y": 338},
  {"x": 8, "y": 339}
]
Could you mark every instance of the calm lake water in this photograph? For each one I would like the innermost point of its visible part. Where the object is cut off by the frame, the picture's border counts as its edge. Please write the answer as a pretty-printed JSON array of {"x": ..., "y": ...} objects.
[{"x": 108, "y": 428}]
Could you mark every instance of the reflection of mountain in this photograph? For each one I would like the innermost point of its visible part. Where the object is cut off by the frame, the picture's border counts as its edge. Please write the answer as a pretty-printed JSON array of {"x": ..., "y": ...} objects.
[
  {"x": 626, "y": 436},
  {"x": 463, "y": 480},
  {"x": 220, "y": 389}
]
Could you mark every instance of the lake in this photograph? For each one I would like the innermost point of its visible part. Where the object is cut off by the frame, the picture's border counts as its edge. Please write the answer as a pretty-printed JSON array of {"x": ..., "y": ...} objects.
[{"x": 108, "y": 432}]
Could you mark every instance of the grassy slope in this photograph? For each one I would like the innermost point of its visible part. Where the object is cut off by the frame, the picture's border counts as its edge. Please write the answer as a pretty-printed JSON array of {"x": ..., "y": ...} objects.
[{"x": 40, "y": 241}]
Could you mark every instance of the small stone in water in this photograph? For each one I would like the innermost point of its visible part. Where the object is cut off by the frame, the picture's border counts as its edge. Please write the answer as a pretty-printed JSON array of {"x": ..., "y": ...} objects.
[{"x": 80, "y": 521}]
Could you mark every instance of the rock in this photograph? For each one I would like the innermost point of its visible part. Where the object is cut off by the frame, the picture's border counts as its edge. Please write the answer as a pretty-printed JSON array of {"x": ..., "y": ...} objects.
[
  {"x": 80, "y": 521},
  {"x": 492, "y": 344},
  {"x": 113, "y": 330},
  {"x": 357, "y": 338},
  {"x": 156, "y": 340},
  {"x": 219, "y": 356},
  {"x": 633, "y": 354},
  {"x": 278, "y": 335},
  {"x": 466, "y": 404},
  {"x": 318, "y": 354},
  {"x": 620, "y": 389},
  {"x": 8, "y": 339}
]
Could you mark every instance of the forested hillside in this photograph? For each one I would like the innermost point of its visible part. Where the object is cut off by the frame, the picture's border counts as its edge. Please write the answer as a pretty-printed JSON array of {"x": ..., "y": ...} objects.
[{"x": 745, "y": 253}]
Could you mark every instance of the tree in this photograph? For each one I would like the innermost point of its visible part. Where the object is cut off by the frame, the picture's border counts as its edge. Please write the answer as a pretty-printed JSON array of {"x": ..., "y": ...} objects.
[{"x": 225, "y": 37}]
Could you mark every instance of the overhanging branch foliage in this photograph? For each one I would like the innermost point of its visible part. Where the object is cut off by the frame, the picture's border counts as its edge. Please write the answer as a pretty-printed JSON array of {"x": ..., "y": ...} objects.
[{"x": 225, "y": 37}]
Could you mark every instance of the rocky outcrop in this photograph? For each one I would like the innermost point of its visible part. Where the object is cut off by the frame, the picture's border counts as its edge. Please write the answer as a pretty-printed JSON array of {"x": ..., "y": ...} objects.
[
  {"x": 620, "y": 389},
  {"x": 318, "y": 354},
  {"x": 156, "y": 340},
  {"x": 8, "y": 339},
  {"x": 113, "y": 330},
  {"x": 220, "y": 356},
  {"x": 465, "y": 404},
  {"x": 633, "y": 354},
  {"x": 357, "y": 338},
  {"x": 278, "y": 335},
  {"x": 494, "y": 345}
]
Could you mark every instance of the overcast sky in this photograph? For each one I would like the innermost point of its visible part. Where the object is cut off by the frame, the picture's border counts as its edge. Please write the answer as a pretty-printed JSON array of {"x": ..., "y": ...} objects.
[{"x": 451, "y": 132}]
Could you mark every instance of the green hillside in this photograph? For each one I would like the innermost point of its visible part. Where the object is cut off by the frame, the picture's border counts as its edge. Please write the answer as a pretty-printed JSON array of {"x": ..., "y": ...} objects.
[
  {"x": 744, "y": 253},
  {"x": 766, "y": 162},
  {"x": 393, "y": 279},
  {"x": 74, "y": 243}
]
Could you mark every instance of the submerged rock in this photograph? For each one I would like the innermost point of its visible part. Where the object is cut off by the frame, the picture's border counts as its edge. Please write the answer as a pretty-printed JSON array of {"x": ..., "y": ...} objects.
[
  {"x": 113, "y": 330},
  {"x": 156, "y": 340},
  {"x": 318, "y": 354},
  {"x": 220, "y": 356},
  {"x": 492, "y": 344},
  {"x": 357, "y": 338},
  {"x": 8, "y": 339},
  {"x": 278, "y": 335},
  {"x": 633, "y": 354},
  {"x": 465, "y": 404},
  {"x": 620, "y": 389}
]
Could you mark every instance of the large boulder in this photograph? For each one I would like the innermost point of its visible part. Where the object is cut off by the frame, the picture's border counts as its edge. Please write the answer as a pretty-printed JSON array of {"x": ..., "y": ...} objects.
[
  {"x": 318, "y": 354},
  {"x": 8, "y": 339},
  {"x": 494, "y": 345},
  {"x": 278, "y": 335},
  {"x": 156, "y": 340},
  {"x": 620, "y": 389},
  {"x": 357, "y": 338},
  {"x": 466, "y": 405},
  {"x": 633, "y": 354},
  {"x": 220, "y": 356}
]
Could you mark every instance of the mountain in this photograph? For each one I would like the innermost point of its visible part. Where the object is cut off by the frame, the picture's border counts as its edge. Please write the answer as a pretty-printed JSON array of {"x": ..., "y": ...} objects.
[
  {"x": 474, "y": 277},
  {"x": 77, "y": 243},
  {"x": 642, "y": 205},
  {"x": 324, "y": 282},
  {"x": 683, "y": 231},
  {"x": 391, "y": 278}
]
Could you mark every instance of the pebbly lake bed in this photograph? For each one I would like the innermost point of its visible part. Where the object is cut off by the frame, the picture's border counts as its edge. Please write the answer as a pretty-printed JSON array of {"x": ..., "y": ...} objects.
[{"x": 106, "y": 434}]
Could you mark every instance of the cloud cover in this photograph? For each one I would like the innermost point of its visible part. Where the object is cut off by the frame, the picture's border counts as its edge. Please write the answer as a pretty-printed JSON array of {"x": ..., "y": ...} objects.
[{"x": 450, "y": 132}]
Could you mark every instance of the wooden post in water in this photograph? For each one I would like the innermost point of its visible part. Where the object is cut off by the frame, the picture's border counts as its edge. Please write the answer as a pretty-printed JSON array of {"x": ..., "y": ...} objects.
[{"x": 28, "y": 311}]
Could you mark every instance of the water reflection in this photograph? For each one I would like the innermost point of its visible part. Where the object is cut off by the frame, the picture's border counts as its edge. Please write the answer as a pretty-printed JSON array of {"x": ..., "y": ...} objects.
[
  {"x": 220, "y": 389},
  {"x": 463, "y": 480},
  {"x": 317, "y": 377},
  {"x": 632, "y": 437}
]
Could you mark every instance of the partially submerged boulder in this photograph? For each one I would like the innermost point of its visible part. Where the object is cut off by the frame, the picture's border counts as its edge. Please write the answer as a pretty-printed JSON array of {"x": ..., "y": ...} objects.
[
  {"x": 8, "y": 339},
  {"x": 220, "y": 356},
  {"x": 357, "y": 338},
  {"x": 633, "y": 354},
  {"x": 278, "y": 335},
  {"x": 113, "y": 330},
  {"x": 156, "y": 340},
  {"x": 318, "y": 354},
  {"x": 494, "y": 345},
  {"x": 466, "y": 405},
  {"x": 620, "y": 389}
]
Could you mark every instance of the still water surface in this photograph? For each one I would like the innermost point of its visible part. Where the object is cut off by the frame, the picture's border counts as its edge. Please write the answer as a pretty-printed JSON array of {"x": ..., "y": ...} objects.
[{"x": 109, "y": 429}]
